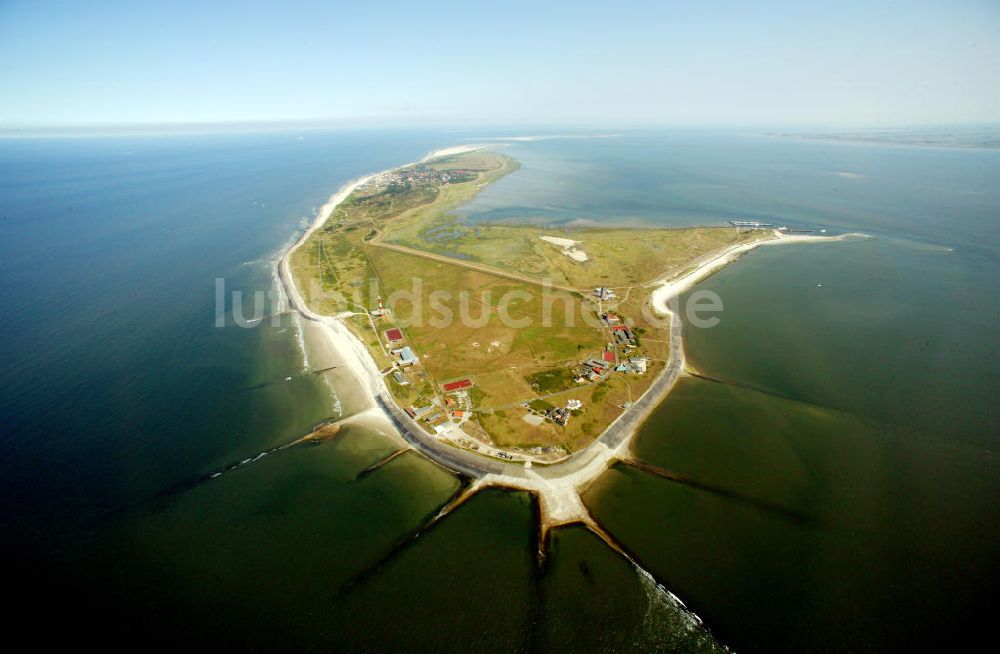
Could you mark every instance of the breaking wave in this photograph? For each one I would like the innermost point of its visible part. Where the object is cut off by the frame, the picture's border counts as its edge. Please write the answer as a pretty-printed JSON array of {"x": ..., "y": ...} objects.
[{"x": 669, "y": 623}]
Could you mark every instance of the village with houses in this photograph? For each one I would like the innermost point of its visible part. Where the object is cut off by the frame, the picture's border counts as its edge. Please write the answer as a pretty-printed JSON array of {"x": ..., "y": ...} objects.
[
  {"x": 416, "y": 176},
  {"x": 450, "y": 405},
  {"x": 534, "y": 394}
]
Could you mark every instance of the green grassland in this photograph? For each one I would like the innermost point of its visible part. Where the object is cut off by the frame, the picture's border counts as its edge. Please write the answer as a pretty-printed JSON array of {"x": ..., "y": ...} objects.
[
  {"x": 602, "y": 403},
  {"x": 333, "y": 269},
  {"x": 618, "y": 257},
  {"x": 408, "y": 226},
  {"x": 497, "y": 355},
  {"x": 470, "y": 302}
]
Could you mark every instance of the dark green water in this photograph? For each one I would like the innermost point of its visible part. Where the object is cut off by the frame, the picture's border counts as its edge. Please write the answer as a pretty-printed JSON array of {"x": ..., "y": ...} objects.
[
  {"x": 897, "y": 331},
  {"x": 121, "y": 397},
  {"x": 841, "y": 474},
  {"x": 841, "y": 482},
  {"x": 844, "y": 471},
  {"x": 593, "y": 600},
  {"x": 808, "y": 528}
]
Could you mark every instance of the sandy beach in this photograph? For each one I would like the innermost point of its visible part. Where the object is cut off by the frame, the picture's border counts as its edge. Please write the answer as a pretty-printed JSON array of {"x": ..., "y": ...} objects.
[
  {"x": 326, "y": 341},
  {"x": 715, "y": 261},
  {"x": 358, "y": 383},
  {"x": 361, "y": 393},
  {"x": 457, "y": 149}
]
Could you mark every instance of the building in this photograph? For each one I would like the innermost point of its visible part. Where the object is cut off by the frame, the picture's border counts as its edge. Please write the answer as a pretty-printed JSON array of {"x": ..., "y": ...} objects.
[
  {"x": 400, "y": 378},
  {"x": 406, "y": 356},
  {"x": 753, "y": 224},
  {"x": 604, "y": 293},
  {"x": 559, "y": 416},
  {"x": 382, "y": 310},
  {"x": 415, "y": 412},
  {"x": 421, "y": 411},
  {"x": 623, "y": 335}
]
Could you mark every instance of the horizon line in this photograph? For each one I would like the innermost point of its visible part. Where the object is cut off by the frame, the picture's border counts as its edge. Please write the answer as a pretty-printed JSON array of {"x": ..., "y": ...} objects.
[{"x": 222, "y": 126}]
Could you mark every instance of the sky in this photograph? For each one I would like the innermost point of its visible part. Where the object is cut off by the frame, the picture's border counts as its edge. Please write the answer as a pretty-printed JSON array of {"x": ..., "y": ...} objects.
[{"x": 713, "y": 63}]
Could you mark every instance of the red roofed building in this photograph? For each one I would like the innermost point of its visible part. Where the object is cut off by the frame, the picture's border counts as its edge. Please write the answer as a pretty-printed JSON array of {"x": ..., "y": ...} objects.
[
  {"x": 618, "y": 328},
  {"x": 609, "y": 356},
  {"x": 457, "y": 385}
]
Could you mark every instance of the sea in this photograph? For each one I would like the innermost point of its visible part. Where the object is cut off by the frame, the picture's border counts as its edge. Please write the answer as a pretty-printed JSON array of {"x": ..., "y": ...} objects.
[{"x": 834, "y": 460}]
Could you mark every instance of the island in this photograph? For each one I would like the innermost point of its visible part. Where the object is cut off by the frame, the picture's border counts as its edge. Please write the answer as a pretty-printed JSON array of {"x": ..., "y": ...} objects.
[{"x": 519, "y": 355}]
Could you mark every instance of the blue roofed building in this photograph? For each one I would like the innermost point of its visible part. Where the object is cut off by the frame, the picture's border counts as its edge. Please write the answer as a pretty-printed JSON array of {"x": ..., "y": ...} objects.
[{"x": 406, "y": 356}]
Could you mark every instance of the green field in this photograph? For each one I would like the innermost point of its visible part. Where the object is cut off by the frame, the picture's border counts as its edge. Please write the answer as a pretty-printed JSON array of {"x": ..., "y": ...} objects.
[
  {"x": 473, "y": 300},
  {"x": 618, "y": 258}
]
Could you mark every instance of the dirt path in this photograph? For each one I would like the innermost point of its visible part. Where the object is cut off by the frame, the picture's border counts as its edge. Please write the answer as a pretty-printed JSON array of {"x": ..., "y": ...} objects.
[{"x": 472, "y": 265}]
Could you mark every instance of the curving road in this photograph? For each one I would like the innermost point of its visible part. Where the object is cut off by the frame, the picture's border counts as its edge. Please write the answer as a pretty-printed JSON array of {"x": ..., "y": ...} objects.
[
  {"x": 612, "y": 442},
  {"x": 614, "y": 439}
]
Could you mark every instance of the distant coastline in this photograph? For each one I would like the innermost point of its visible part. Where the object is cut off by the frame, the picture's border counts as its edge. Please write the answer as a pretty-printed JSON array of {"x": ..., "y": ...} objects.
[{"x": 986, "y": 138}]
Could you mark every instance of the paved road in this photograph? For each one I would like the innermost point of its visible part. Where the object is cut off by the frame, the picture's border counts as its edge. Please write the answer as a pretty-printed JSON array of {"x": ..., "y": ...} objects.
[
  {"x": 628, "y": 422},
  {"x": 473, "y": 465},
  {"x": 450, "y": 457}
]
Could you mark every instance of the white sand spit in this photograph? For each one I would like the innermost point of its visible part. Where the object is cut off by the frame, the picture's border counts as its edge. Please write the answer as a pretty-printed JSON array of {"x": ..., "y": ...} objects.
[
  {"x": 569, "y": 247},
  {"x": 671, "y": 288}
]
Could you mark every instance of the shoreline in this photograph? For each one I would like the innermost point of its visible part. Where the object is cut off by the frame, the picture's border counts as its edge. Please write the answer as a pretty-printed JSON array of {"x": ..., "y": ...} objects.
[
  {"x": 668, "y": 289},
  {"x": 557, "y": 484},
  {"x": 334, "y": 337}
]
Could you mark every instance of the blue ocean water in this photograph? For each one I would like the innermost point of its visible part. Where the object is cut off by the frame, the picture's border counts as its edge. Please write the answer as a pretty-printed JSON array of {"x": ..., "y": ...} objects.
[
  {"x": 857, "y": 406},
  {"x": 680, "y": 178},
  {"x": 904, "y": 327},
  {"x": 116, "y": 382},
  {"x": 841, "y": 456}
]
